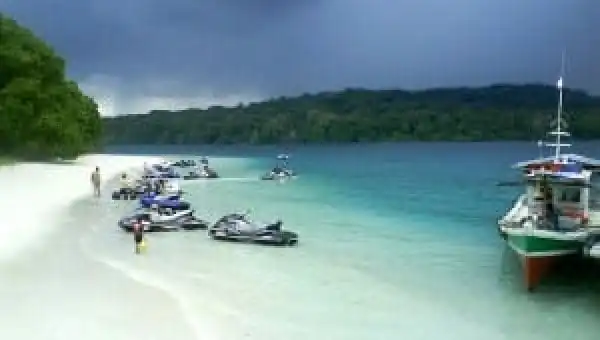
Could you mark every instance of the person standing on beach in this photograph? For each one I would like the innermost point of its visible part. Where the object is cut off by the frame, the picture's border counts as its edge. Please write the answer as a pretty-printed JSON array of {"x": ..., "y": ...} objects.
[
  {"x": 95, "y": 178},
  {"x": 138, "y": 235}
]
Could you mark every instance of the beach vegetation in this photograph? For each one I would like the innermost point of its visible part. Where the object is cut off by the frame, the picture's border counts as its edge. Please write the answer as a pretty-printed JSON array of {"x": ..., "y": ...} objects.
[{"x": 43, "y": 114}]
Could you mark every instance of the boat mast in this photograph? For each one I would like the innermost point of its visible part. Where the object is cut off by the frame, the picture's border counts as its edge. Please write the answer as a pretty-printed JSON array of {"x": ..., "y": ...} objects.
[{"x": 559, "y": 133}]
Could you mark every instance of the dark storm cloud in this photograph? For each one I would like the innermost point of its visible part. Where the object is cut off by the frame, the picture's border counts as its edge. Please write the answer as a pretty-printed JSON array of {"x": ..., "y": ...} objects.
[{"x": 246, "y": 48}]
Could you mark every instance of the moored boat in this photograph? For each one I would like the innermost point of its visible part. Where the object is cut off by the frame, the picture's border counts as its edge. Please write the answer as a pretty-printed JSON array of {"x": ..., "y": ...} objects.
[{"x": 557, "y": 214}]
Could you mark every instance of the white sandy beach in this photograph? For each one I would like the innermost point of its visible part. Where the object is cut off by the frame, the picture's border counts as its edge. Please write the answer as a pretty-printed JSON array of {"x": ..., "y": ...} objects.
[
  {"x": 33, "y": 195},
  {"x": 49, "y": 288}
]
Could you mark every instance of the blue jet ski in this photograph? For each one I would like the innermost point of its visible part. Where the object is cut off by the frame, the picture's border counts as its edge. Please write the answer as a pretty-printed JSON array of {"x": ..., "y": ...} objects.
[{"x": 169, "y": 201}]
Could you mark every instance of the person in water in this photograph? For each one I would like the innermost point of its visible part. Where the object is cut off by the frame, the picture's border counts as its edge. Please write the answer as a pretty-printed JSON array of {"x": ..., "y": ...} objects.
[
  {"x": 138, "y": 235},
  {"x": 96, "y": 181}
]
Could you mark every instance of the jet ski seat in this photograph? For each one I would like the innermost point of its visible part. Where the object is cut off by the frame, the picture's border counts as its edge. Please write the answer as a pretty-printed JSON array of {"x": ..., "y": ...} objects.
[
  {"x": 145, "y": 218},
  {"x": 275, "y": 226}
]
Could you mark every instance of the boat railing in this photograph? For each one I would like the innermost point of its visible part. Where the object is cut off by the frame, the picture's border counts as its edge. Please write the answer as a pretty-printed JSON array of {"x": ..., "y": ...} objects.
[{"x": 513, "y": 214}]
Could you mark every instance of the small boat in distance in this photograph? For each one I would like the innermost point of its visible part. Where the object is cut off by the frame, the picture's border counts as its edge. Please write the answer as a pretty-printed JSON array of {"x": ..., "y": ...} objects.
[
  {"x": 281, "y": 170},
  {"x": 559, "y": 212}
]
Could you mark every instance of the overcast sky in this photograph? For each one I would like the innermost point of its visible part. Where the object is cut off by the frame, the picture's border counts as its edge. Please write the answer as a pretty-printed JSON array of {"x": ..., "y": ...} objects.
[{"x": 134, "y": 55}]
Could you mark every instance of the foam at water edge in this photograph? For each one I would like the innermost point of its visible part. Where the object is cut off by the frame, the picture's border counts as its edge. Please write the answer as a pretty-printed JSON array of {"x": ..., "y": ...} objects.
[
  {"x": 34, "y": 195},
  {"x": 139, "y": 276}
]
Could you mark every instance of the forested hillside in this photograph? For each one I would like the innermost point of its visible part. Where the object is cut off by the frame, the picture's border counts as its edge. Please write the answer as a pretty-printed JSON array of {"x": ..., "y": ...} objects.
[
  {"x": 43, "y": 115},
  {"x": 501, "y": 112}
]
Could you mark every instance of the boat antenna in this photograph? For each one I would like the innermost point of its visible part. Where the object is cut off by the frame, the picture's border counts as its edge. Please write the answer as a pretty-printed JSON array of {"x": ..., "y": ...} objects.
[{"x": 558, "y": 132}]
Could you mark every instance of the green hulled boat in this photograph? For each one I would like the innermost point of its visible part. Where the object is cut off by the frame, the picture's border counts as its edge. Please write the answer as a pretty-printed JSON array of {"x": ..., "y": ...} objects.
[{"x": 557, "y": 212}]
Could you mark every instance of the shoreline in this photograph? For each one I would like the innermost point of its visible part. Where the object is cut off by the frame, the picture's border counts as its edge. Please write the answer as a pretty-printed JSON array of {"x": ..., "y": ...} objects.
[
  {"x": 49, "y": 264},
  {"x": 39, "y": 194},
  {"x": 4, "y": 161},
  {"x": 66, "y": 280}
]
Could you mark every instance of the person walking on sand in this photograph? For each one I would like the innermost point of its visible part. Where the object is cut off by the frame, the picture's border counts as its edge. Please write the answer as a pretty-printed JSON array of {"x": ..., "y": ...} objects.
[{"x": 95, "y": 179}]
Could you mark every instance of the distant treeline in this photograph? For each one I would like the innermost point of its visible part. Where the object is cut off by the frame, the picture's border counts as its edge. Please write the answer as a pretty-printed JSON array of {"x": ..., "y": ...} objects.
[
  {"x": 499, "y": 112},
  {"x": 43, "y": 115}
]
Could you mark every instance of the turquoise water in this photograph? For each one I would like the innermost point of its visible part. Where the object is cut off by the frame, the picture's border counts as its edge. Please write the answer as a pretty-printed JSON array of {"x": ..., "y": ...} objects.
[{"x": 396, "y": 241}]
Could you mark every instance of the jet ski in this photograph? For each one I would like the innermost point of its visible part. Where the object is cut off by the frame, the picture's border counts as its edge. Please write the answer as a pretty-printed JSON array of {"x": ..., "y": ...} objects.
[
  {"x": 129, "y": 190},
  {"x": 185, "y": 163},
  {"x": 192, "y": 175},
  {"x": 162, "y": 185},
  {"x": 163, "y": 166},
  {"x": 237, "y": 227},
  {"x": 164, "y": 201},
  {"x": 167, "y": 221},
  {"x": 281, "y": 169},
  {"x": 172, "y": 188},
  {"x": 205, "y": 172},
  {"x": 158, "y": 174},
  {"x": 128, "y": 193},
  {"x": 209, "y": 173},
  {"x": 160, "y": 170},
  {"x": 278, "y": 173}
]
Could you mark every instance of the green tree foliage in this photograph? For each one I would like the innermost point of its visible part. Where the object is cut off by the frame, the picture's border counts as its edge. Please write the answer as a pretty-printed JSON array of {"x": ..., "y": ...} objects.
[
  {"x": 42, "y": 114},
  {"x": 500, "y": 112}
]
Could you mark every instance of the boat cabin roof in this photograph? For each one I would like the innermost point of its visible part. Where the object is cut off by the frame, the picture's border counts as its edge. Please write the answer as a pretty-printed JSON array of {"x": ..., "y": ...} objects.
[{"x": 585, "y": 162}]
